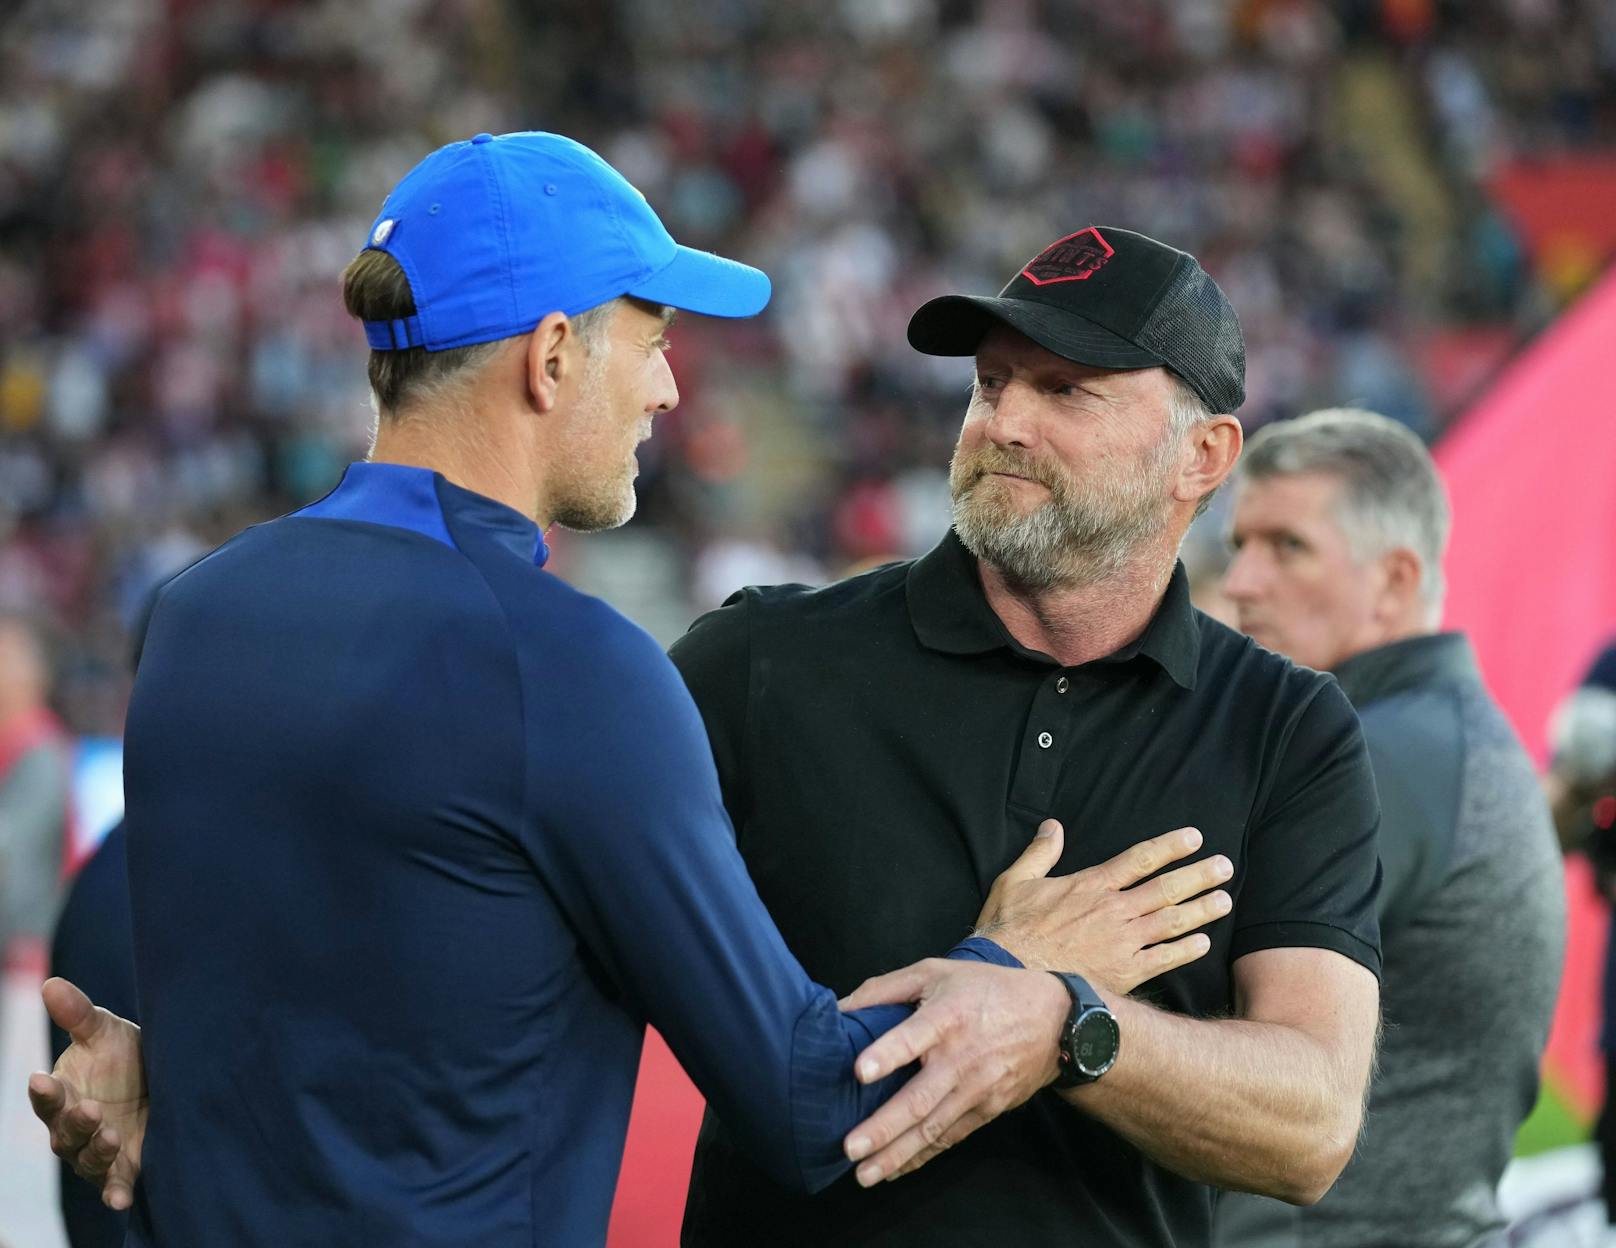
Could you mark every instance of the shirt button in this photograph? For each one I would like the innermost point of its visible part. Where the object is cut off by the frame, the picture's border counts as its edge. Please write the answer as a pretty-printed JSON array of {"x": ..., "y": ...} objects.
[
  {"x": 1062, "y": 685},
  {"x": 1045, "y": 740}
]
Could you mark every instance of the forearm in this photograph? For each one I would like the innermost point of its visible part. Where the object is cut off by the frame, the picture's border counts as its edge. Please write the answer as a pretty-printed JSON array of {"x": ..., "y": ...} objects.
[{"x": 1258, "y": 1106}]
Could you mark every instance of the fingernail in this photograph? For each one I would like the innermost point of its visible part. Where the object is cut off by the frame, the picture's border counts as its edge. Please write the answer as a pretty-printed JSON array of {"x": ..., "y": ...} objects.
[
  {"x": 869, "y": 1174},
  {"x": 858, "y": 1147},
  {"x": 1222, "y": 903},
  {"x": 868, "y": 1070},
  {"x": 1223, "y": 867},
  {"x": 1192, "y": 837},
  {"x": 1044, "y": 830}
]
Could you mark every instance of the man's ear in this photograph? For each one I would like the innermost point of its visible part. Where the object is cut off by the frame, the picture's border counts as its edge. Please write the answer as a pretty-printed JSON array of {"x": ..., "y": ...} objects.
[
  {"x": 1216, "y": 445},
  {"x": 551, "y": 351},
  {"x": 1402, "y": 571}
]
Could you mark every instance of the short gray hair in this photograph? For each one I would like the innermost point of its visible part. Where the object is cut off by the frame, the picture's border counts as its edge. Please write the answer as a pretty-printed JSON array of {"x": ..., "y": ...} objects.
[
  {"x": 591, "y": 323},
  {"x": 1391, "y": 495},
  {"x": 1186, "y": 410}
]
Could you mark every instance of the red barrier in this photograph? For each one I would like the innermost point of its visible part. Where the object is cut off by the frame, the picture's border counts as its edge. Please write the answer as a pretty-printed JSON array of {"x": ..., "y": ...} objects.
[
  {"x": 656, "y": 1164},
  {"x": 1532, "y": 578}
]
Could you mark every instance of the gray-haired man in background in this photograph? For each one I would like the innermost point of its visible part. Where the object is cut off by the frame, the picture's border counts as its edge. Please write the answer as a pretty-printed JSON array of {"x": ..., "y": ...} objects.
[{"x": 1339, "y": 526}]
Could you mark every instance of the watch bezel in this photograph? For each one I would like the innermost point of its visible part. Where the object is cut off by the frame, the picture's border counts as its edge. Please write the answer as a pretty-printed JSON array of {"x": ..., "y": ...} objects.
[
  {"x": 1092, "y": 1015},
  {"x": 1087, "y": 1006}
]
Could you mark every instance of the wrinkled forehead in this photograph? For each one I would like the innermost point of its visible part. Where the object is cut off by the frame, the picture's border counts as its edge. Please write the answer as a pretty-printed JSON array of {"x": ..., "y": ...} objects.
[{"x": 1291, "y": 501}]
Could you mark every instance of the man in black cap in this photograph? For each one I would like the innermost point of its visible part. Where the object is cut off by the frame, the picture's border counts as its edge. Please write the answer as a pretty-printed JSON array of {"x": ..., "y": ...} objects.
[{"x": 1044, "y": 661}]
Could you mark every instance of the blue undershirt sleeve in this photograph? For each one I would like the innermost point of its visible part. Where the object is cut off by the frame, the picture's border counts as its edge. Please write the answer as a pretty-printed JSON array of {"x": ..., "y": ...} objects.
[{"x": 630, "y": 833}]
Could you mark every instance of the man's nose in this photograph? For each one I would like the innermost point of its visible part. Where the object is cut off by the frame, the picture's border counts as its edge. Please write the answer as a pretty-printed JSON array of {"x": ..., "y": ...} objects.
[
  {"x": 1014, "y": 420},
  {"x": 1245, "y": 577},
  {"x": 664, "y": 391}
]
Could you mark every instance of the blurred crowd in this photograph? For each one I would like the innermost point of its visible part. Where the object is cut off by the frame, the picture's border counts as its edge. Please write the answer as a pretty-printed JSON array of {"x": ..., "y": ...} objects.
[{"x": 182, "y": 180}]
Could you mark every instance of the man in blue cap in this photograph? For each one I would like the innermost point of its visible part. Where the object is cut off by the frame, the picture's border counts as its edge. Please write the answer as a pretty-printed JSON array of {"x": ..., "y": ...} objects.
[{"x": 420, "y": 837}]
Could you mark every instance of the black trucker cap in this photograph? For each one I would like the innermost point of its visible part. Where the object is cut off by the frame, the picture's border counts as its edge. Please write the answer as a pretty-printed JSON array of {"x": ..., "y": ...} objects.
[{"x": 1108, "y": 298}]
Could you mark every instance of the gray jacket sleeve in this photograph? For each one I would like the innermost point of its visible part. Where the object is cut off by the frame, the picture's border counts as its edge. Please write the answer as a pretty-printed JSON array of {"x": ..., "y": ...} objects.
[{"x": 1417, "y": 776}]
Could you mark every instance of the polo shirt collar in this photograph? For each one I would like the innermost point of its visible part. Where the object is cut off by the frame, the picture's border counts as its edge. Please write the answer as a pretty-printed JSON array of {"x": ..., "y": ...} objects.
[
  {"x": 1413, "y": 663},
  {"x": 950, "y": 613}
]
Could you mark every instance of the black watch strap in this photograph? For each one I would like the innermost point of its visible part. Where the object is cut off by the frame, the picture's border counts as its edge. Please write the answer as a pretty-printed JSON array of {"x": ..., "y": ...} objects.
[{"x": 1090, "y": 1038}]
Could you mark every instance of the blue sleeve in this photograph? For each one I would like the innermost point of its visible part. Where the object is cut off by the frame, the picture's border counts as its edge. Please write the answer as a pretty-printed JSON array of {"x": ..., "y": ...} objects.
[
  {"x": 1602, "y": 675},
  {"x": 631, "y": 834}
]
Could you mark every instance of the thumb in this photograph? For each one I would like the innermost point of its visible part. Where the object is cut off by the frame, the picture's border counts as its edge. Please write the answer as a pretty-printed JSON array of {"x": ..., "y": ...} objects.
[
  {"x": 70, "y": 1009},
  {"x": 1040, "y": 856}
]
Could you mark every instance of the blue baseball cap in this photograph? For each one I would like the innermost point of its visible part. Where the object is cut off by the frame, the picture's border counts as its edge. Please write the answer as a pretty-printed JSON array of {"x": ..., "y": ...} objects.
[{"x": 496, "y": 232}]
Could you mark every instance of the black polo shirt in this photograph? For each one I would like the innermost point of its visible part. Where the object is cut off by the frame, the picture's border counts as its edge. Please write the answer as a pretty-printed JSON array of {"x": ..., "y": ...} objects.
[{"x": 886, "y": 749}]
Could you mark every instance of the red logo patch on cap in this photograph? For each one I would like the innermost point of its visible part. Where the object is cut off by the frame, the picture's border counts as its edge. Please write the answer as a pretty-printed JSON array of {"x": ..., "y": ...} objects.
[{"x": 1074, "y": 258}]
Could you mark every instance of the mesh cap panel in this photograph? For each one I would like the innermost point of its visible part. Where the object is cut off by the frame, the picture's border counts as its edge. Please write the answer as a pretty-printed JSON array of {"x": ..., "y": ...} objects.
[{"x": 1193, "y": 328}]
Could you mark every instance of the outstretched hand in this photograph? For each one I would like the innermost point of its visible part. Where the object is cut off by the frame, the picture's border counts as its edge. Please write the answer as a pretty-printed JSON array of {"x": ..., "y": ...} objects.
[
  {"x": 1102, "y": 922},
  {"x": 986, "y": 1038},
  {"x": 94, "y": 1101}
]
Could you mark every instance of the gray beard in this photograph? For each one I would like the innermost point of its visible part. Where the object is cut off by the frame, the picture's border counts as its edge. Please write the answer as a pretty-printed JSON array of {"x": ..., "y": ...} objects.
[{"x": 1081, "y": 536}]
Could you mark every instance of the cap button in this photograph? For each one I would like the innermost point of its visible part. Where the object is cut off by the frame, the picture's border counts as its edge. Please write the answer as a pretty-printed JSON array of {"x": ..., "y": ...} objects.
[{"x": 482, "y": 138}]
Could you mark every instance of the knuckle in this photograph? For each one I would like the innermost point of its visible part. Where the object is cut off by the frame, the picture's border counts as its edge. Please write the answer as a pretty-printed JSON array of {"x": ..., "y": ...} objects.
[{"x": 932, "y": 1132}]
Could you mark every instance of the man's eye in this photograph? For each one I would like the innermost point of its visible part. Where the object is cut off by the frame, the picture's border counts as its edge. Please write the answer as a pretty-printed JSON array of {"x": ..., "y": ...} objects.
[{"x": 989, "y": 383}]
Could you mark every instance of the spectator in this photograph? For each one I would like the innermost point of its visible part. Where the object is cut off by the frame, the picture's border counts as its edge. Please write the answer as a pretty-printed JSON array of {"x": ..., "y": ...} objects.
[
  {"x": 33, "y": 788},
  {"x": 1339, "y": 526},
  {"x": 1582, "y": 786}
]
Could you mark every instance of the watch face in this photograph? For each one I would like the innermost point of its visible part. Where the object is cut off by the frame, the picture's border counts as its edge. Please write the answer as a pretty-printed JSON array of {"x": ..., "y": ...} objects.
[{"x": 1095, "y": 1042}]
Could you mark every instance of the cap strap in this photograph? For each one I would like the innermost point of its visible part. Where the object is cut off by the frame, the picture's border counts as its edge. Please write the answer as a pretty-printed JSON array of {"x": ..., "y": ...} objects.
[{"x": 395, "y": 335}]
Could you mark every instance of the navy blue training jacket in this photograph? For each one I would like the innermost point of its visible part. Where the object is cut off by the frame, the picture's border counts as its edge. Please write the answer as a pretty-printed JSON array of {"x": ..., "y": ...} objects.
[{"x": 419, "y": 839}]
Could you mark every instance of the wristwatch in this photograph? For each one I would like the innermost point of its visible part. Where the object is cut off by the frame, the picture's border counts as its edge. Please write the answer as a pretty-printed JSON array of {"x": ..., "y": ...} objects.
[{"x": 1090, "y": 1039}]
